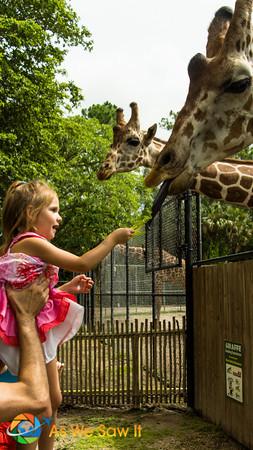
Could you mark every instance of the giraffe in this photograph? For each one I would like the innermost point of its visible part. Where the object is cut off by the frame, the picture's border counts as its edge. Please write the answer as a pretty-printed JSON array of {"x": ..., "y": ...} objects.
[
  {"x": 230, "y": 180},
  {"x": 217, "y": 118}
]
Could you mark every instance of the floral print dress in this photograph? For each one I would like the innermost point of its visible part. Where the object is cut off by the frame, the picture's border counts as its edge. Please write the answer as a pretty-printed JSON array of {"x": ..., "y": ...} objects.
[{"x": 57, "y": 322}]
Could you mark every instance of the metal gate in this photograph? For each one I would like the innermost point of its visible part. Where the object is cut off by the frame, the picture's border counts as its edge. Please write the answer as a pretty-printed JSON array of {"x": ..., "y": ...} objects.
[{"x": 130, "y": 351}]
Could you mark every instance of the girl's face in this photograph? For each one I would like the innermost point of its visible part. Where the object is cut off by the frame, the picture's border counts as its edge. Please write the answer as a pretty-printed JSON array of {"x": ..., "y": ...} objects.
[{"x": 48, "y": 220}]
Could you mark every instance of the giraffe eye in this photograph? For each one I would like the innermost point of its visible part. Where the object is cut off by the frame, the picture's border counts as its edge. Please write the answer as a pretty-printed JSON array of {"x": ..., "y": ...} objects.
[
  {"x": 165, "y": 159},
  {"x": 133, "y": 141},
  {"x": 237, "y": 87}
]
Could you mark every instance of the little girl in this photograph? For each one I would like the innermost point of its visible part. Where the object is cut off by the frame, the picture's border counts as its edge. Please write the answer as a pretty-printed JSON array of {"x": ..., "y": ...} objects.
[{"x": 30, "y": 220}]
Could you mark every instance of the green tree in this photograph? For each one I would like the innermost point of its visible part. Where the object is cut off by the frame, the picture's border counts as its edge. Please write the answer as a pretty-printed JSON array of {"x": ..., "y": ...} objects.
[
  {"x": 168, "y": 122},
  {"x": 227, "y": 229},
  {"x": 35, "y": 37},
  {"x": 37, "y": 141},
  {"x": 105, "y": 113}
]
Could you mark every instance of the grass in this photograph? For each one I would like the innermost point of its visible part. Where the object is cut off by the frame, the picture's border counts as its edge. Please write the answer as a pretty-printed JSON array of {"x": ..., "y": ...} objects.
[{"x": 159, "y": 429}]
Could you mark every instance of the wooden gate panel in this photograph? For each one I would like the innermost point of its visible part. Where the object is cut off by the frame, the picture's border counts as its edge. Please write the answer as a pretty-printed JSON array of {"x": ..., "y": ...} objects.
[{"x": 223, "y": 311}]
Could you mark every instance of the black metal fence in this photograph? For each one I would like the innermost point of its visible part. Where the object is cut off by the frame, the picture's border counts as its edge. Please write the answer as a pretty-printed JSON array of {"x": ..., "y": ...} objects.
[
  {"x": 140, "y": 288},
  {"x": 146, "y": 279}
]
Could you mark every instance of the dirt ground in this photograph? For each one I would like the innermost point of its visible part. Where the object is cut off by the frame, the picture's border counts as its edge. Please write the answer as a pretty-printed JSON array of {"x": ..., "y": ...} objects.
[{"x": 152, "y": 428}]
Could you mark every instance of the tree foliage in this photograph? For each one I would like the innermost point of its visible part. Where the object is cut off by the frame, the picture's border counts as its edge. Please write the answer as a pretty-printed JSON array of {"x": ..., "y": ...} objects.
[
  {"x": 34, "y": 40},
  {"x": 105, "y": 113},
  {"x": 37, "y": 140},
  {"x": 227, "y": 229}
]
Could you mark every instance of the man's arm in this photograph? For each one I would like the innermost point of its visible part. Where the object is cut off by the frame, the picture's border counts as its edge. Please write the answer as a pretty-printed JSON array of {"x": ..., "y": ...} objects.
[{"x": 31, "y": 392}]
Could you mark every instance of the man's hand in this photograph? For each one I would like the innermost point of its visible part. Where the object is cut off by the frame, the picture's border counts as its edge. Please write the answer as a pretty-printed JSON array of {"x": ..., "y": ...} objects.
[{"x": 27, "y": 302}]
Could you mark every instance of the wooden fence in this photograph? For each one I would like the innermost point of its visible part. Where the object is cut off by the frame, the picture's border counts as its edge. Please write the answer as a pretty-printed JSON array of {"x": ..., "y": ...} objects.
[
  {"x": 223, "y": 314},
  {"x": 125, "y": 364}
]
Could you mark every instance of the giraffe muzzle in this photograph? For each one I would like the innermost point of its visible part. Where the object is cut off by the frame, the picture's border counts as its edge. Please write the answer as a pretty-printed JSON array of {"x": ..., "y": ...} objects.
[
  {"x": 102, "y": 175},
  {"x": 177, "y": 185}
]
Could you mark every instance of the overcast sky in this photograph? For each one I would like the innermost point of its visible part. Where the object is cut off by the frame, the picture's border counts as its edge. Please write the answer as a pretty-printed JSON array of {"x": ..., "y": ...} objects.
[{"x": 141, "y": 52}]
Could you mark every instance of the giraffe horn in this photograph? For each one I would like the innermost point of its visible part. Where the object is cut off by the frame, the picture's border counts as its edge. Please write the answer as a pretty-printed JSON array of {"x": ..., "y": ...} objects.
[
  {"x": 238, "y": 37},
  {"x": 217, "y": 30},
  {"x": 120, "y": 120},
  {"x": 116, "y": 135},
  {"x": 134, "y": 119}
]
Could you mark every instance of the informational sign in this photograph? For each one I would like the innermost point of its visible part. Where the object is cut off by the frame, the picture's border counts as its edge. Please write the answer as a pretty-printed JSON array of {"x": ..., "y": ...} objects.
[{"x": 234, "y": 370}]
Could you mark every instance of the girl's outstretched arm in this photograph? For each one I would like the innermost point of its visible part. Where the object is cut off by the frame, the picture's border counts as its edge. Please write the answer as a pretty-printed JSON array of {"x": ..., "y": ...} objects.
[{"x": 66, "y": 260}]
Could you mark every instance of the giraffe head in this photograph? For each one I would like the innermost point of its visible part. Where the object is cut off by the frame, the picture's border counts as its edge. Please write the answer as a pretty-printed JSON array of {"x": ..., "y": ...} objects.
[
  {"x": 217, "y": 118},
  {"x": 130, "y": 145}
]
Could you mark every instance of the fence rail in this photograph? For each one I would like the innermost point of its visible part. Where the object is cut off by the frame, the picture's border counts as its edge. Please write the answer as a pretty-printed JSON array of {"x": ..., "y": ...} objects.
[{"x": 125, "y": 364}]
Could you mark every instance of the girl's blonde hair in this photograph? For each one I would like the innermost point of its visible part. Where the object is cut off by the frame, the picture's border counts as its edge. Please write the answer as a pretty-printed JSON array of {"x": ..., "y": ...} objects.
[{"x": 20, "y": 198}]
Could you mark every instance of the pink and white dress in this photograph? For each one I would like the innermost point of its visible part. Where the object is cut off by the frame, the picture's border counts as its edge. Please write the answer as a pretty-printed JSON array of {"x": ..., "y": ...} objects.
[{"x": 57, "y": 322}]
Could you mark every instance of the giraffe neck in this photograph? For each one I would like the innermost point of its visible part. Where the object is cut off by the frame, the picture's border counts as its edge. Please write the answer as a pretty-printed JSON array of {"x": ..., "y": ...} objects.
[
  {"x": 152, "y": 151},
  {"x": 229, "y": 180}
]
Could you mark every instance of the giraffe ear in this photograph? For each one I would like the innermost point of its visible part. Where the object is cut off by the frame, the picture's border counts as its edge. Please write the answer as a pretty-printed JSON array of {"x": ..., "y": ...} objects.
[{"x": 150, "y": 134}]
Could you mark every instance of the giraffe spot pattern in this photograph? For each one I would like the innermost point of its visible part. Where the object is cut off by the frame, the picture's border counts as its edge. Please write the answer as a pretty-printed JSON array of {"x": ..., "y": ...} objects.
[
  {"x": 188, "y": 130},
  {"x": 210, "y": 171},
  {"x": 246, "y": 170},
  {"x": 226, "y": 168},
  {"x": 229, "y": 179},
  {"x": 199, "y": 115},
  {"x": 220, "y": 123},
  {"x": 235, "y": 131},
  {"x": 246, "y": 182},
  {"x": 211, "y": 188},
  {"x": 209, "y": 136},
  {"x": 212, "y": 145},
  {"x": 250, "y": 126},
  {"x": 236, "y": 194}
]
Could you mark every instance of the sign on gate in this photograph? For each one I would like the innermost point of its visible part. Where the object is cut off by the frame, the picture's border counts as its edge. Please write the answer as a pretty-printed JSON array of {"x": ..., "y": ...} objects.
[{"x": 234, "y": 370}]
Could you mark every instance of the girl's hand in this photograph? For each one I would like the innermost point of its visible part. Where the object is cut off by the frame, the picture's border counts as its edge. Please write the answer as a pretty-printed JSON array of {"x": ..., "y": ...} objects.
[
  {"x": 79, "y": 284},
  {"x": 121, "y": 235}
]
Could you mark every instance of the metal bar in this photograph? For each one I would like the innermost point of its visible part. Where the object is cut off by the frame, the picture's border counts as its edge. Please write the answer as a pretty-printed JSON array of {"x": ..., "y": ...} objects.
[
  {"x": 160, "y": 227},
  {"x": 127, "y": 282},
  {"x": 199, "y": 228},
  {"x": 233, "y": 257},
  {"x": 91, "y": 303},
  {"x": 153, "y": 298},
  {"x": 189, "y": 300}
]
